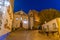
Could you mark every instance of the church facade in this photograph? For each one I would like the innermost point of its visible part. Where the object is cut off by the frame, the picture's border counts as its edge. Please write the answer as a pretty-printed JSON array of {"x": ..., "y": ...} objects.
[
  {"x": 20, "y": 20},
  {"x": 23, "y": 20}
]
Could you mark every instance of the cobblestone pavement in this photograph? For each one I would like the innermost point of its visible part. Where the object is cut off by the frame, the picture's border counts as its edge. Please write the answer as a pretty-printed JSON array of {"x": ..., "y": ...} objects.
[{"x": 30, "y": 35}]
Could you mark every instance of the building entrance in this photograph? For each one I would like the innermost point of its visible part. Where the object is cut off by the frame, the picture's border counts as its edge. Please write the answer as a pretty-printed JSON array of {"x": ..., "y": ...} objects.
[{"x": 21, "y": 24}]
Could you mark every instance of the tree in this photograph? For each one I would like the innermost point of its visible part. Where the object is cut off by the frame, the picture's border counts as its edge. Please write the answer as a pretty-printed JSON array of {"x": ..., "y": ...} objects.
[{"x": 48, "y": 14}]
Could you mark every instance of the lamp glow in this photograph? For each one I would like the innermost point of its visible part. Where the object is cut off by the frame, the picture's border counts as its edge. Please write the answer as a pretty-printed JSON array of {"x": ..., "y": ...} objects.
[
  {"x": 6, "y": 3},
  {"x": 25, "y": 22}
]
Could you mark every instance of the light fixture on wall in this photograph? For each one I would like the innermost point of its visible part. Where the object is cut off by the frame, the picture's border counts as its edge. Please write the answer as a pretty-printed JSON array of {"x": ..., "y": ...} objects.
[{"x": 25, "y": 22}]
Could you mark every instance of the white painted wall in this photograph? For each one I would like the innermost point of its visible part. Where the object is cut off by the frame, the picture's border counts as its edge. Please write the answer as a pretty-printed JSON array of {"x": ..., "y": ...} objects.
[{"x": 50, "y": 24}]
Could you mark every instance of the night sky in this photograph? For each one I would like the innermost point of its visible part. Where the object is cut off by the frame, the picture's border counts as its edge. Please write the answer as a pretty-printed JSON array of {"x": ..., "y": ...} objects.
[{"x": 38, "y": 5}]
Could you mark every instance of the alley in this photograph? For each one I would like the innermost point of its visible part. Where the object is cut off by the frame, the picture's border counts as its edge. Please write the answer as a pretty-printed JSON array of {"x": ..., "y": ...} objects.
[{"x": 30, "y": 35}]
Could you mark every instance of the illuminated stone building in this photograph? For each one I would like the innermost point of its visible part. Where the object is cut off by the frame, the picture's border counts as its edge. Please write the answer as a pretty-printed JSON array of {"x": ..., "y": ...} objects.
[
  {"x": 6, "y": 17},
  {"x": 52, "y": 26},
  {"x": 23, "y": 20},
  {"x": 33, "y": 19},
  {"x": 20, "y": 20}
]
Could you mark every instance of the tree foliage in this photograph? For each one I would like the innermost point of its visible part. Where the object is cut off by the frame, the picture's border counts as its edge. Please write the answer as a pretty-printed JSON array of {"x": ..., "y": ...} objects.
[{"x": 48, "y": 14}]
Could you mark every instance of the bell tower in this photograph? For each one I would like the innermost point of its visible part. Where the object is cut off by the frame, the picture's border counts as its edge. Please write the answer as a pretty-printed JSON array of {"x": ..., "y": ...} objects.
[{"x": 31, "y": 19}]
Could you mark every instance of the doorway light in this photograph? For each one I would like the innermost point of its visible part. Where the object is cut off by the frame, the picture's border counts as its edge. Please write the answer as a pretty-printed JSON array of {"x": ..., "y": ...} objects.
[{"x": 25, "y": 22}]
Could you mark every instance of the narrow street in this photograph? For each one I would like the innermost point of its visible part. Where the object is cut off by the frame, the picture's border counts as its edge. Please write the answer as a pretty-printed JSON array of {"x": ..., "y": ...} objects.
[{"x": 30, "y": 35}]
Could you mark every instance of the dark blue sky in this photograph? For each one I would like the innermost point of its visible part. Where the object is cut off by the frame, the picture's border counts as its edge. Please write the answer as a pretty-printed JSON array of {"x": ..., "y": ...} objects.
[{"x": 38, "y": 5}]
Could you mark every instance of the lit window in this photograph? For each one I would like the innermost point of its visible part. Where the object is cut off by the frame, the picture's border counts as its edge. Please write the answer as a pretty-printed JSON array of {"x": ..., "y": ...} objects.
[
  {"x": 16, "y": 18},
  {"x": 25, "y": 22}
]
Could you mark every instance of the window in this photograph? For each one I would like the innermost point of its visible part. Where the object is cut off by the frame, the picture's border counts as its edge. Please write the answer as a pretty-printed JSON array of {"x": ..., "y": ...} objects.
[
  {"x": 1, "y": 2},
  {"x": 54, "y": 26},
  {"x": 1, "y": 14},
  {"x": 48, "y": 27},
  {"x": 6, "y": 2},
  {"x": 21, "y": 18},
  {"x": 16, "y": 18},
  {"x": 44, "y": 28},
  {"x": 31, "y": 15},
  {"x": 2, "y": 6},
  {"x": 25, "y": 19}
]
